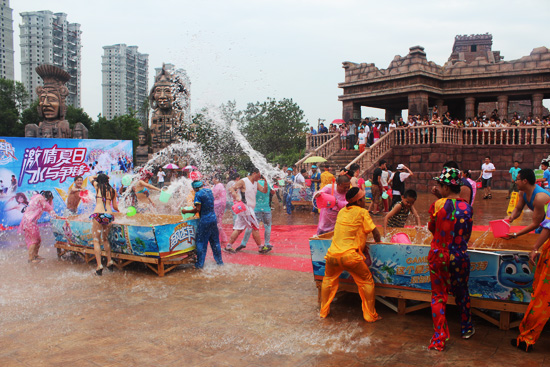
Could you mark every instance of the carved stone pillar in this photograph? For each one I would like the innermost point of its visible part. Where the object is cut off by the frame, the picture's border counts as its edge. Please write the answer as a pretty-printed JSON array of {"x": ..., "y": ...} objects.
[
  {"x": 418, "y": 103},
  {"x": 356, "y": 115},
  {"x": 347, "y": 110},
  {"x": 470, "y": 109},
  {"x": 502, "y": 102},
  {"x": 537, "y": 104}
]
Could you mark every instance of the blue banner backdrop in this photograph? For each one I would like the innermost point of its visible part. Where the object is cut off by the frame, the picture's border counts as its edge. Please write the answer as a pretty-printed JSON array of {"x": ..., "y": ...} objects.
[{"x": 30, "y": 165}]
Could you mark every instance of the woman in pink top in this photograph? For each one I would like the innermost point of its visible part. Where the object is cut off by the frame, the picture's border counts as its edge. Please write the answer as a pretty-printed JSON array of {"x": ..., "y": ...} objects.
[
  {"x": 220, "y": 197},
  {"x": 327, "y": 216},
  {"x": 39, "y": 203}
]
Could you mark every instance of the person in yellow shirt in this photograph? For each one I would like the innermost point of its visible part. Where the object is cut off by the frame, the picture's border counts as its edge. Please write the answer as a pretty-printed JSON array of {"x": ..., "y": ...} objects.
[
  {"x": 346, "y": 253},
  {"x": 327, "y": 178}
]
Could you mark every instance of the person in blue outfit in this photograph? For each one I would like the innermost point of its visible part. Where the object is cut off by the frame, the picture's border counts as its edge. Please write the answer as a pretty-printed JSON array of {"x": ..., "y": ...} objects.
[
  {"x": 207, "y": 230},
  {"x": 287, "y": 196},
  {"x": 315, "y": 185}
]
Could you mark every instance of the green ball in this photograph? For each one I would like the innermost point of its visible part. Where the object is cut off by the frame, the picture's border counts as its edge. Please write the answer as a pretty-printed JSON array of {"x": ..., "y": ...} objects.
[
  {"x": 131, "y": 211},
  {"x": 127, "y": 180}
]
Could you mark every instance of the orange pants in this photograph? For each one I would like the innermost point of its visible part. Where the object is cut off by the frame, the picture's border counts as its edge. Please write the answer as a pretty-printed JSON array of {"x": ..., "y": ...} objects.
[
  {"x": 361, "y": 148},
  {"x": 538, "y": 311},
  {"x": 354, "y": 264}
]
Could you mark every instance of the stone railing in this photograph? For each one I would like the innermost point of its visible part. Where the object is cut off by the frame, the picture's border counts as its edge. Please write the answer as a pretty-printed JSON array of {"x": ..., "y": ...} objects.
[
  {"x": 315, "y": 141},
  {"x": 441, "y": 134},
  {"x": 372, "y": 154},
  {"x": 325, "y": 150}
]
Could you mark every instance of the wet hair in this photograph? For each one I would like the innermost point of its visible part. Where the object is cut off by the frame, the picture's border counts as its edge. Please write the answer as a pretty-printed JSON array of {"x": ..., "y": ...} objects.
[
  {"x": 527, "y": 174},
  {"x": 343, "y": 179},
  {"x": 47, "y": 194},
  {"x": 233, "y": 176},
  {"x": 451, "y": 164},
  {"x": 545, "y": 163},
  {"x": 381, "y": 163},
  {"x": 254, "y": 170},
  {"x": 410, "y": 194},
  {"x": 103, "y": 186},
  {"x": 468, "y": 173},
  {"x": 77, "y": 177},
  {"x": 21, "y": 195},
  {"x": 354, "y": 167},
  {"x": 303, "y": 171},
  {"x": 351, "y": 192}
]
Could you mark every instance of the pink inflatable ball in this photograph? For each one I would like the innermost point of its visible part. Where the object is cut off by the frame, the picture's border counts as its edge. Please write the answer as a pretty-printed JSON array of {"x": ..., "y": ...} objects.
[
  {"x": 195, "y": 175},
  {"x": 238, "y": 207},
  {"x": 401, "y": 238},
  {"x": 325, "y": 200}
]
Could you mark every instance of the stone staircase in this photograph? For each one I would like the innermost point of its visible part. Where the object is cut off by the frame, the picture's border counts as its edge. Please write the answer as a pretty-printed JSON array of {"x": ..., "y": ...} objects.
[{"x": 341, "y": 159}]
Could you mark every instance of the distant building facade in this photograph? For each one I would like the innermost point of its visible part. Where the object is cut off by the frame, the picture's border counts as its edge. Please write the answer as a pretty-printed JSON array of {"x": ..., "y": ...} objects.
[
  {"x": 48, "y": 38},
  {"x": 6, "y": 40},
  {"x": 474, "y": 79},
  {"x": 125, "y": 82}
]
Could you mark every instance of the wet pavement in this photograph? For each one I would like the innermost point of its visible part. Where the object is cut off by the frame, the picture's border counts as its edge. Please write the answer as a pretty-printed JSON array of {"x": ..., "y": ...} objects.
[{"x": 57, "y": 313}]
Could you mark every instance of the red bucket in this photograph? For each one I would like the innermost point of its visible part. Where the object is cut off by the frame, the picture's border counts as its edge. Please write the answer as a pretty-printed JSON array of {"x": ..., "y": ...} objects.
[
  {"x": 478, "y": 185},
  {"x": 238, "y": 207},
  {"x": 500, "y": 228}
]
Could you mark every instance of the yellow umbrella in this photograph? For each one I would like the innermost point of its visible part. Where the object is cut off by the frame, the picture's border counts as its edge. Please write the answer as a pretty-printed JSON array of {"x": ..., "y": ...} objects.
[{"x": 315, "y": 159}]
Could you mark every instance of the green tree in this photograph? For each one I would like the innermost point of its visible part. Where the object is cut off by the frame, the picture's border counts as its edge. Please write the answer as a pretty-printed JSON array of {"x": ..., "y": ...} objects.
[
  {"x": 276, "y": 129},
  {"x": 75, "y": 115},
  {"x": 13, "y": 96},
  {"x": 30, "y": 114}
]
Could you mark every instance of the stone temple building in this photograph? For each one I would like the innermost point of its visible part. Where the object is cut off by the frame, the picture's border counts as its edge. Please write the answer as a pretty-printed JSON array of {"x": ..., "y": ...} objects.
[{"x": 475, "y": 78}]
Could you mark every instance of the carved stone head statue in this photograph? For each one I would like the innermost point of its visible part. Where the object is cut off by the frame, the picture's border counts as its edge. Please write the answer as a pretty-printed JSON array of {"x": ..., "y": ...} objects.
[
  {"x": 161, "y": 96},
  {"x": 80, "y": 131},
  {"x": 52, "y": 95},
  {"x": 142, "y": 136}
]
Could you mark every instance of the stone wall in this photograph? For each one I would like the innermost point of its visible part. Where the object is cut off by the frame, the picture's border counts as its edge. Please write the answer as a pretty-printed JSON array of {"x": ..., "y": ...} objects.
[{"x": 426, "y": 161}]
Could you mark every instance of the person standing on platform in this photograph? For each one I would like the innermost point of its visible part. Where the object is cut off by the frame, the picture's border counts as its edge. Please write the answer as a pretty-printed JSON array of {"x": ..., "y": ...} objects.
[
  {"x": 451, "y": 225},
  {"x": 207, "y": 229},
  {"x": 362, "y": 140},
  {"x": 486, "y": 177},
  {"x": 287, "y": 193},
  {"x": 352, "y": 129},
  {"x": 546, "y": 175},
  {"x": 513, "y": 176},
  {"x": 160, "y": 178},
  {"x": 346, "y": 254},
  {"x": 263, "y": 214}
]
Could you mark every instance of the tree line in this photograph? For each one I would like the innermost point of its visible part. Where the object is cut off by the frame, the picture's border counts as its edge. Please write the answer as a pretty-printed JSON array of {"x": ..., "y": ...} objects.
[{"x": 276, "y": 129}]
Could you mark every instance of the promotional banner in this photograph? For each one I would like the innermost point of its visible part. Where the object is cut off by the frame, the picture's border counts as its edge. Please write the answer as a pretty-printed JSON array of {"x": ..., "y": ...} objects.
[
  {"x": 504, "y": 275},
  {"x": 30, "y": 165}
]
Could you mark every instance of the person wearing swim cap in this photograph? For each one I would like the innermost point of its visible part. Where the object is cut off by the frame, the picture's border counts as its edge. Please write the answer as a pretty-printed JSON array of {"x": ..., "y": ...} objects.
[
  {"x": 207, "y": 229},
  {"x": 346, "y": 252}
]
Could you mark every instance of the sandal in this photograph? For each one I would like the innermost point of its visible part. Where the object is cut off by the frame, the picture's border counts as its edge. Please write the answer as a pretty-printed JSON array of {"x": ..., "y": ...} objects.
[
  {"x": 34, "y": 261},
  {"x": 111, "y": 266}
]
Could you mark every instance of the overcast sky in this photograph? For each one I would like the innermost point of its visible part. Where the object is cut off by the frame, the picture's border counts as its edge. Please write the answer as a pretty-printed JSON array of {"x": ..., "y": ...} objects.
[{"x": 249, "y": 50}]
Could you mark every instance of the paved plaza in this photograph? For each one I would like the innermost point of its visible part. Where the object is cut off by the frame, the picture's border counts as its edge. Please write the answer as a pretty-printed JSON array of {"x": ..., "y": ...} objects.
[{"x": 250, "y": 312}]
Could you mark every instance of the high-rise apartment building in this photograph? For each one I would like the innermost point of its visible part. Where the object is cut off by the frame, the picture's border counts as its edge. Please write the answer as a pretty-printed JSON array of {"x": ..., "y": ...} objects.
[
  {"x": 6, "y": 40},
  {"x": 48, "y": 38},
  {"x": 124, "y": 81}
]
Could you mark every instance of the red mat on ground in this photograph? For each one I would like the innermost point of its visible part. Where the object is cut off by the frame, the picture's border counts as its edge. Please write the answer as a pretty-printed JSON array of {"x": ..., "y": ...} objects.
[{"x": 286, "y": 241}]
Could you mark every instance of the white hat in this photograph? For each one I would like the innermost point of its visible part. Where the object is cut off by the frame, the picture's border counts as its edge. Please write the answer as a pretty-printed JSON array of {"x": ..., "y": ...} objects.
[{"x": 400, "y": 166}]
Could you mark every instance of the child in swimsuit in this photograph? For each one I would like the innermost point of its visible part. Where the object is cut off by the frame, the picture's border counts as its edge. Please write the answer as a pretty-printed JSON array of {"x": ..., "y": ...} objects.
[{"x": 102, "y": 218}]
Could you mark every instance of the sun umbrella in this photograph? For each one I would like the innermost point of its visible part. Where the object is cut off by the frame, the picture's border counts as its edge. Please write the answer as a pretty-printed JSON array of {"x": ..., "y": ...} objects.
[
  {"x": 188, "y": 168},
  {"x": 338, "y": 121},
  {"x": 170, "y": 166},
  {"x": 315, "y": 159}
]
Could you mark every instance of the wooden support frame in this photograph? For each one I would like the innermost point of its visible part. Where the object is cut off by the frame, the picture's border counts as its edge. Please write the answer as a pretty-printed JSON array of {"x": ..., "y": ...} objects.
[
  {"x": 160, "y": 266},
  {"x": 385, "y": 295}
]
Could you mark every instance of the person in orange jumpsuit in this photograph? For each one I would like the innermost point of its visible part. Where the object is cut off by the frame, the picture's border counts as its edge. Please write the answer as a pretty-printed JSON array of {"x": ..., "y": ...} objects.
[
  {"x": 538, "y": 311},
  {"x": 353, "y": 224}
]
